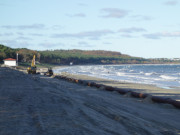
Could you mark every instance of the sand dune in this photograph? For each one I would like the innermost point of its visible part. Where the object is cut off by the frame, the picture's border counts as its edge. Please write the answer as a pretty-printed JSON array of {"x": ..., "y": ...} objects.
[{"x": 35, "y": 104}]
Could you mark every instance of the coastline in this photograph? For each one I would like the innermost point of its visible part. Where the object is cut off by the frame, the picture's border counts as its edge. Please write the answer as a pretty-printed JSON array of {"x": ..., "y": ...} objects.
[
  {"x": 173, "y": 93},
  {"x": 136, "y": 87}
]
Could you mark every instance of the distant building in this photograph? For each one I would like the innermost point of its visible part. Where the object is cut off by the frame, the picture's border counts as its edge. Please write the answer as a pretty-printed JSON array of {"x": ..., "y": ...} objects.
[{"x": 10, "y": 62}]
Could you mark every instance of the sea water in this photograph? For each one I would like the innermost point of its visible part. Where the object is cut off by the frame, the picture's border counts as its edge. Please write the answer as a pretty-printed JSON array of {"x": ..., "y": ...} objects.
[{"x": 166, "y": 76}]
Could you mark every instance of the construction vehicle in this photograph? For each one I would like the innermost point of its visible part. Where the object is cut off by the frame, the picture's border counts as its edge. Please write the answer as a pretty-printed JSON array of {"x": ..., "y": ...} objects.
[
  {"x": 49, "y": 72},
  {"x": 32, "y": 69}
]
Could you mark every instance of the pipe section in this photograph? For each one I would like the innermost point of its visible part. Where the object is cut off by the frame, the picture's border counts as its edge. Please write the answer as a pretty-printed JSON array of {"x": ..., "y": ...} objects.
[{"x": 156, "y": 99}]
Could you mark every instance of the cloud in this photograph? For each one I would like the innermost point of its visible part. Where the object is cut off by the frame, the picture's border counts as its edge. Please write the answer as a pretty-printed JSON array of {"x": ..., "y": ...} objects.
[
  {"x": 171, "y": 2},
  {"x": 56, "y": 27},
  {"x": 114, "y": 13},
  {"x": 33, "y": 26},
  {"x": 23, "y": 27},
  {"x": 77, "y": 15},
  {"x": 20, "y": 33},
  {"x": 82, "y": 4},
  {"x": 23, "y": 38},
  {"x": 7, "y": 34},
  {"x": 162, "y": 34},
  {"x": 95, "y": 35},
  {"x": 107, "y": 43},
  {"x": 127, "y": 36},
  {"x": 132, "y": 29},
  {"x": 15, "y": 43},
  {"x": 152, "y": 36},
  {"x": 36, "y": 34},
  {"x": 48, "y": 45},
  {"x": 128, "y": 31},
  {"x": 80, "y": 15},
  {"x": 83, "y": 44},
  {"x": 142, "y": 18}
]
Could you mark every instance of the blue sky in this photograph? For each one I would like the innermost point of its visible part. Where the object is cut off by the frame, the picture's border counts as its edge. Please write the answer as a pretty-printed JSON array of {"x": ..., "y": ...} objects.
[{"x": 143, "y": 28}]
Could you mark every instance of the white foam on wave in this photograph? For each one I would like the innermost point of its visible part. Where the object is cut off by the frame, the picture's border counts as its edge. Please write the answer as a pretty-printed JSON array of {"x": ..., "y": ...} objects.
[
  {"x": 152, "y": 73},
  {"x": 148, "y": 74},
  {"x": 120, "y": 74},
  {"x": 168, "y": 77},
  {"x": 123, "y": 73}
]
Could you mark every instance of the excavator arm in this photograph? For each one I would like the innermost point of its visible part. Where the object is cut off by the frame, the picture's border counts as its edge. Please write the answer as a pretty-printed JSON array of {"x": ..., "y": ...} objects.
[
  {"x": 32, "y": 69},
  {"x": 33, "y": 64}
]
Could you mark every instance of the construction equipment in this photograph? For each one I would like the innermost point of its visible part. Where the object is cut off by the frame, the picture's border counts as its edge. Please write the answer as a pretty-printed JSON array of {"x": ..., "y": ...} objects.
[
  {"x": 32, "y": 69},
  {"x": 49, "y": 72}
]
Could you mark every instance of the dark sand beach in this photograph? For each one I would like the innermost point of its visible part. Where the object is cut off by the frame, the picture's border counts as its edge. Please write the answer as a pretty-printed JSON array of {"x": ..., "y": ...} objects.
[
  {"x": 36, "y": 104},
  {"x": 173, "y": 93}
]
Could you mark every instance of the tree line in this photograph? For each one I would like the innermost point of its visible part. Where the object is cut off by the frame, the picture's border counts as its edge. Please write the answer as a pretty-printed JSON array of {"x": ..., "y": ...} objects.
[{"x": 64, "y": 57}]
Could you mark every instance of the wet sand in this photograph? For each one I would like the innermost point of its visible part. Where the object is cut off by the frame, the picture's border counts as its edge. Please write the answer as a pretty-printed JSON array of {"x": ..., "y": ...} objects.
[
  {"x": 41, "y": 105},
  {"x": 137, "y": 87}
]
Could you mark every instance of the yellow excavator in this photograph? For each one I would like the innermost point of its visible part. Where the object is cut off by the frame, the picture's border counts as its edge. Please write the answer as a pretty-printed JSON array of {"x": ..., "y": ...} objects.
[{"x": 32, "y": 69}]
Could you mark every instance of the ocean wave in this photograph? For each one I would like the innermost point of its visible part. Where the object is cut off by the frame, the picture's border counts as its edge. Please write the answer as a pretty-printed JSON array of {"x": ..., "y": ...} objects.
[
  {"x": 148, "y": 74},
  {"x": 120, "y": 74},
  {"x": 160, "y": 75},
  {"x": 166, "y": 77},
  {"x": 151, "y": 73}
]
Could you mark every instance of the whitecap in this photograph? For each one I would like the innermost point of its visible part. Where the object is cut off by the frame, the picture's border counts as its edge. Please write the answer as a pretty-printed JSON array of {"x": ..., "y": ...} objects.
[
  {"x": 168, "y": 77},
  {"x": 120, "y": 74},
  {"x": 148, "y": 74}
]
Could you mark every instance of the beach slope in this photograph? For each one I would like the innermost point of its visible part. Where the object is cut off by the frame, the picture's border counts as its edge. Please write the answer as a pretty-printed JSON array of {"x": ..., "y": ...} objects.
[{"x": 35, "y": 104}]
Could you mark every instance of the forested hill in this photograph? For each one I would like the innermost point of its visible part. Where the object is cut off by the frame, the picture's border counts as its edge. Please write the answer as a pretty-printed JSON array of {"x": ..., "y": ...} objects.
[
  {"x": 64, "y": 57},
  {"x": 87, "y": 57}
]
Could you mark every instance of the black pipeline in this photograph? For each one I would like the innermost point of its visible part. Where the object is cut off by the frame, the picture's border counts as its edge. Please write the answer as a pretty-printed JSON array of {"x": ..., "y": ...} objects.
[{"x": 156, "y": 99}]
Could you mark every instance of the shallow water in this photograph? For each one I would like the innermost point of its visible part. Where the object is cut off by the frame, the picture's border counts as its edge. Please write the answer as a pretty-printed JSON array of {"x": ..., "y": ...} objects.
[{"x": 165, "y": 76}]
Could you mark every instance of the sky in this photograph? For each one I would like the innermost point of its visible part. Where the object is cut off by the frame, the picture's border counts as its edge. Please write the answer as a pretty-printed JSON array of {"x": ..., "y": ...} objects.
[{"x": 142, "y": 28}]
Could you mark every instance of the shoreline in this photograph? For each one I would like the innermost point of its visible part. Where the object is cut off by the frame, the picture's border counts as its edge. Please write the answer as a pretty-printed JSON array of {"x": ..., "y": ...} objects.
[
  {"x": 160, "y": 82},
  {"x": 173, "y": 93},
  {"x": 135, "y": 87}
]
